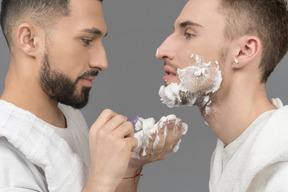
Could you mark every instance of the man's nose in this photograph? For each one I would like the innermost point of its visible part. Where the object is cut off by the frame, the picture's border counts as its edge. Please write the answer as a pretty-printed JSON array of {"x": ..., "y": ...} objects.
[
  {"x": 99, "y": 58},
  {"x": 166, "y": 50}
]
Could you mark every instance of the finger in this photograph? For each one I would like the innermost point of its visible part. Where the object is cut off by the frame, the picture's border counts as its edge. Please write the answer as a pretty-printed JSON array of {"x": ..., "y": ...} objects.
[
  {"x": 179, "y": 133},
  {"x": 134, "y": 143},
  {"x": 124, "y": 130},
  {"x": 149, "y": 148},
  {"x": 115, "y": 122},
  {"x": 160, "y": 146},
  {"x": 103, "y": 118},
  {"x": 170, "y": 138},
  {"x": 176, "y": 129}
]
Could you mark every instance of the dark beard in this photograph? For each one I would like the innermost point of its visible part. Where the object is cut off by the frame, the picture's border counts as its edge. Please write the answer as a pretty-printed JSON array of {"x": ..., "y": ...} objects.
[
  {"x": 61, "y": 88},
  {"x": 186, "y": 98}
]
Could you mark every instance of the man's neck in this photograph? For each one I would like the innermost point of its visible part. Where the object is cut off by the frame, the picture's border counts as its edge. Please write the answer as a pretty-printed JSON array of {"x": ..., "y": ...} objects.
[
  {"x": 230, "y": 117},
  {"x": 30, "y": 96}
]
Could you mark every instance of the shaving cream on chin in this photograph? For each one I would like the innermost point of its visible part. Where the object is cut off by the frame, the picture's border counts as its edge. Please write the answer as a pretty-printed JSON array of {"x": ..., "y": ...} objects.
[
  {"x": 197, "y": 82},
  {"x": 170, "y": 94}
]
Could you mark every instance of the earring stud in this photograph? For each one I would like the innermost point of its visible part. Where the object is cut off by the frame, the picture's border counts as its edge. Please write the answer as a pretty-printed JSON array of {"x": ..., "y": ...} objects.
[{"x": 236, "y": 61}]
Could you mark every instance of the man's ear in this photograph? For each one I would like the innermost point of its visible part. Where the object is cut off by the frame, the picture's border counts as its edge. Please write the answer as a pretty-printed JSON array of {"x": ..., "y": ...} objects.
[
  {"x": 27, "y": 39},
  {"x": 248, "y": 50}
]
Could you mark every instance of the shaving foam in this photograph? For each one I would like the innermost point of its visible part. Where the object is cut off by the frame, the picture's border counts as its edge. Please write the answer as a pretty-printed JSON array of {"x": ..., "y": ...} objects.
[
  {"x": 157, "y": 52},
  {"x": 147, "y": 127},
  {"x": 197, "y": 82}
]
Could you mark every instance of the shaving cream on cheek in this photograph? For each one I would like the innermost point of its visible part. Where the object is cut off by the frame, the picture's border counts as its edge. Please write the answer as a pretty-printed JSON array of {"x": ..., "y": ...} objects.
[{"x": 196, "y": 83}]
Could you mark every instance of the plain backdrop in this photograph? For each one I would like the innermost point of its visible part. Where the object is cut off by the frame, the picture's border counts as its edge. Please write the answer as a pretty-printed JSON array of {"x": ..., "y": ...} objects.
[{"x": 131, "y": 83}]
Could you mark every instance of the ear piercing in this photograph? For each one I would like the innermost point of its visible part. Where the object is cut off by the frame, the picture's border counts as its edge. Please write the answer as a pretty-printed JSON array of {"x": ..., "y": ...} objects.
[{"x": 236, "y": 61}]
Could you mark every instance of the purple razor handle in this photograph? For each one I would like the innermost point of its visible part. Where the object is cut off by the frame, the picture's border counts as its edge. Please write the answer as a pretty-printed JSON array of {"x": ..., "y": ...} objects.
[{"x": 133, "y": 120}]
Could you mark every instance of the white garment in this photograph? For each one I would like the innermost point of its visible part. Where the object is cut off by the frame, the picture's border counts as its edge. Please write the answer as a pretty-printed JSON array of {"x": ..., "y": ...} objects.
[
  {"x": 36, "y": 156},
  {"x": 257, "y": 161}
]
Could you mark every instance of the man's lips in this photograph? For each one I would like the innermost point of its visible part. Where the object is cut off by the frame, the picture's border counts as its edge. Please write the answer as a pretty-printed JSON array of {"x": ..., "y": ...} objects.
[
  {"x": 170, "y": 78},
  {"x": 88, "y": 81},
  {"x": 171, "y": 75}
]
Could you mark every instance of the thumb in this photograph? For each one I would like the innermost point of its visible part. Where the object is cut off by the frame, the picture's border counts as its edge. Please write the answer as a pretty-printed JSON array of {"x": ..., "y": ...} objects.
[{"x": 134, "y": 144}]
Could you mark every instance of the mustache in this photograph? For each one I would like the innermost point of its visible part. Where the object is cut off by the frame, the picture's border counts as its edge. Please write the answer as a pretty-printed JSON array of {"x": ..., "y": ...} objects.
[
  {"x": 170, "y": 64},
  {"x": 87, "y": 74}
]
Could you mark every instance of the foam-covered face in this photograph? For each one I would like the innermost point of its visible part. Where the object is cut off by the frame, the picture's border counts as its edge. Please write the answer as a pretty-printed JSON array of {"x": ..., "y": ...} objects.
[
  {"x": 191, "y": 55},
  {"x": 196, "y": 83}
]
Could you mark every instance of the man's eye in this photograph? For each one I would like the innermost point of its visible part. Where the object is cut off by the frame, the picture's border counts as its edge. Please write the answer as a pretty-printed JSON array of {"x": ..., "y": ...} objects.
[
  {"x": 189, "y": 35},
  {"x": 87, "y": 42}
]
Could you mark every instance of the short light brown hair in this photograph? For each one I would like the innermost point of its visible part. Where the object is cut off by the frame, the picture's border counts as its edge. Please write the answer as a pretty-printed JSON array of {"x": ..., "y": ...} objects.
[{"x": 266, "y": 19}]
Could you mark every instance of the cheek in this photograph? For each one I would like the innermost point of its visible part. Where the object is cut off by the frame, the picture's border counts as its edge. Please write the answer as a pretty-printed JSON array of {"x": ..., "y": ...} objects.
[
  {"x": 65, "y": 66},
  {"x": 189, "y": 51},
  {"x": 207, "y": 48},
  {"x": 209, "y": 80},
  {"x": 201, "y": 75},
  {"x": 69, "y": 59},
  {"x": 185, "y": 58}
]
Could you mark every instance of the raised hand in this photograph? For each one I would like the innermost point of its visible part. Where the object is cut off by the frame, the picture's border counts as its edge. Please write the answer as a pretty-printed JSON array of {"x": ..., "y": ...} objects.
[{"x": 112, "y": 143}]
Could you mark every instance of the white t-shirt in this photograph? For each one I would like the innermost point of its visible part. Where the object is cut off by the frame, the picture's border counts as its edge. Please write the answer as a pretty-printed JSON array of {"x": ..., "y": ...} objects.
[
  {"x": 257, "y": 161},
  {"x": 17, "y": 173}
]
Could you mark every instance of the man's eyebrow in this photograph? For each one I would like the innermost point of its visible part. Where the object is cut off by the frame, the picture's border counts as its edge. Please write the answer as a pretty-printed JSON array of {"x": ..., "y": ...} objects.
[
  {"x": 186, "y": 23},
  {"x": 95, "y": 31}
]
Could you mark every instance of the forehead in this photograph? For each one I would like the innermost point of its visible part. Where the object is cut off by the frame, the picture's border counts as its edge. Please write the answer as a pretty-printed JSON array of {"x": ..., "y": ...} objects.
[
  {"x": 84, "y": 14},
  {"x": 203, "y": 12}
]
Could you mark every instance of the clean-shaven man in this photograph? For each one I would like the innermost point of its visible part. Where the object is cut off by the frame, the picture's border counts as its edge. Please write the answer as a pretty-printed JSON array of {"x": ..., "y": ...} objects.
[{"x": 219, "y": 58}]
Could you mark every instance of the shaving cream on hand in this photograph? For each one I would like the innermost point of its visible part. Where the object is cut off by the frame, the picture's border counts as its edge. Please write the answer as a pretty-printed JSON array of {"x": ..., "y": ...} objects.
[{"x": 147, "y": 127}]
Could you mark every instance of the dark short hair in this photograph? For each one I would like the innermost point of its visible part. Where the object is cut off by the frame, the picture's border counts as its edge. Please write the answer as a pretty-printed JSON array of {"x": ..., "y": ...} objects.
[
  {"x": 266, "y": 19},
  {"x": 42, "y": 12}
]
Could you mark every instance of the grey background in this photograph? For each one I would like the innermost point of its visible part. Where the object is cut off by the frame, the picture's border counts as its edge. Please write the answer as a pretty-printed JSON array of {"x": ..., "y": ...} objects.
[{"x": 130, "y": 87}]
